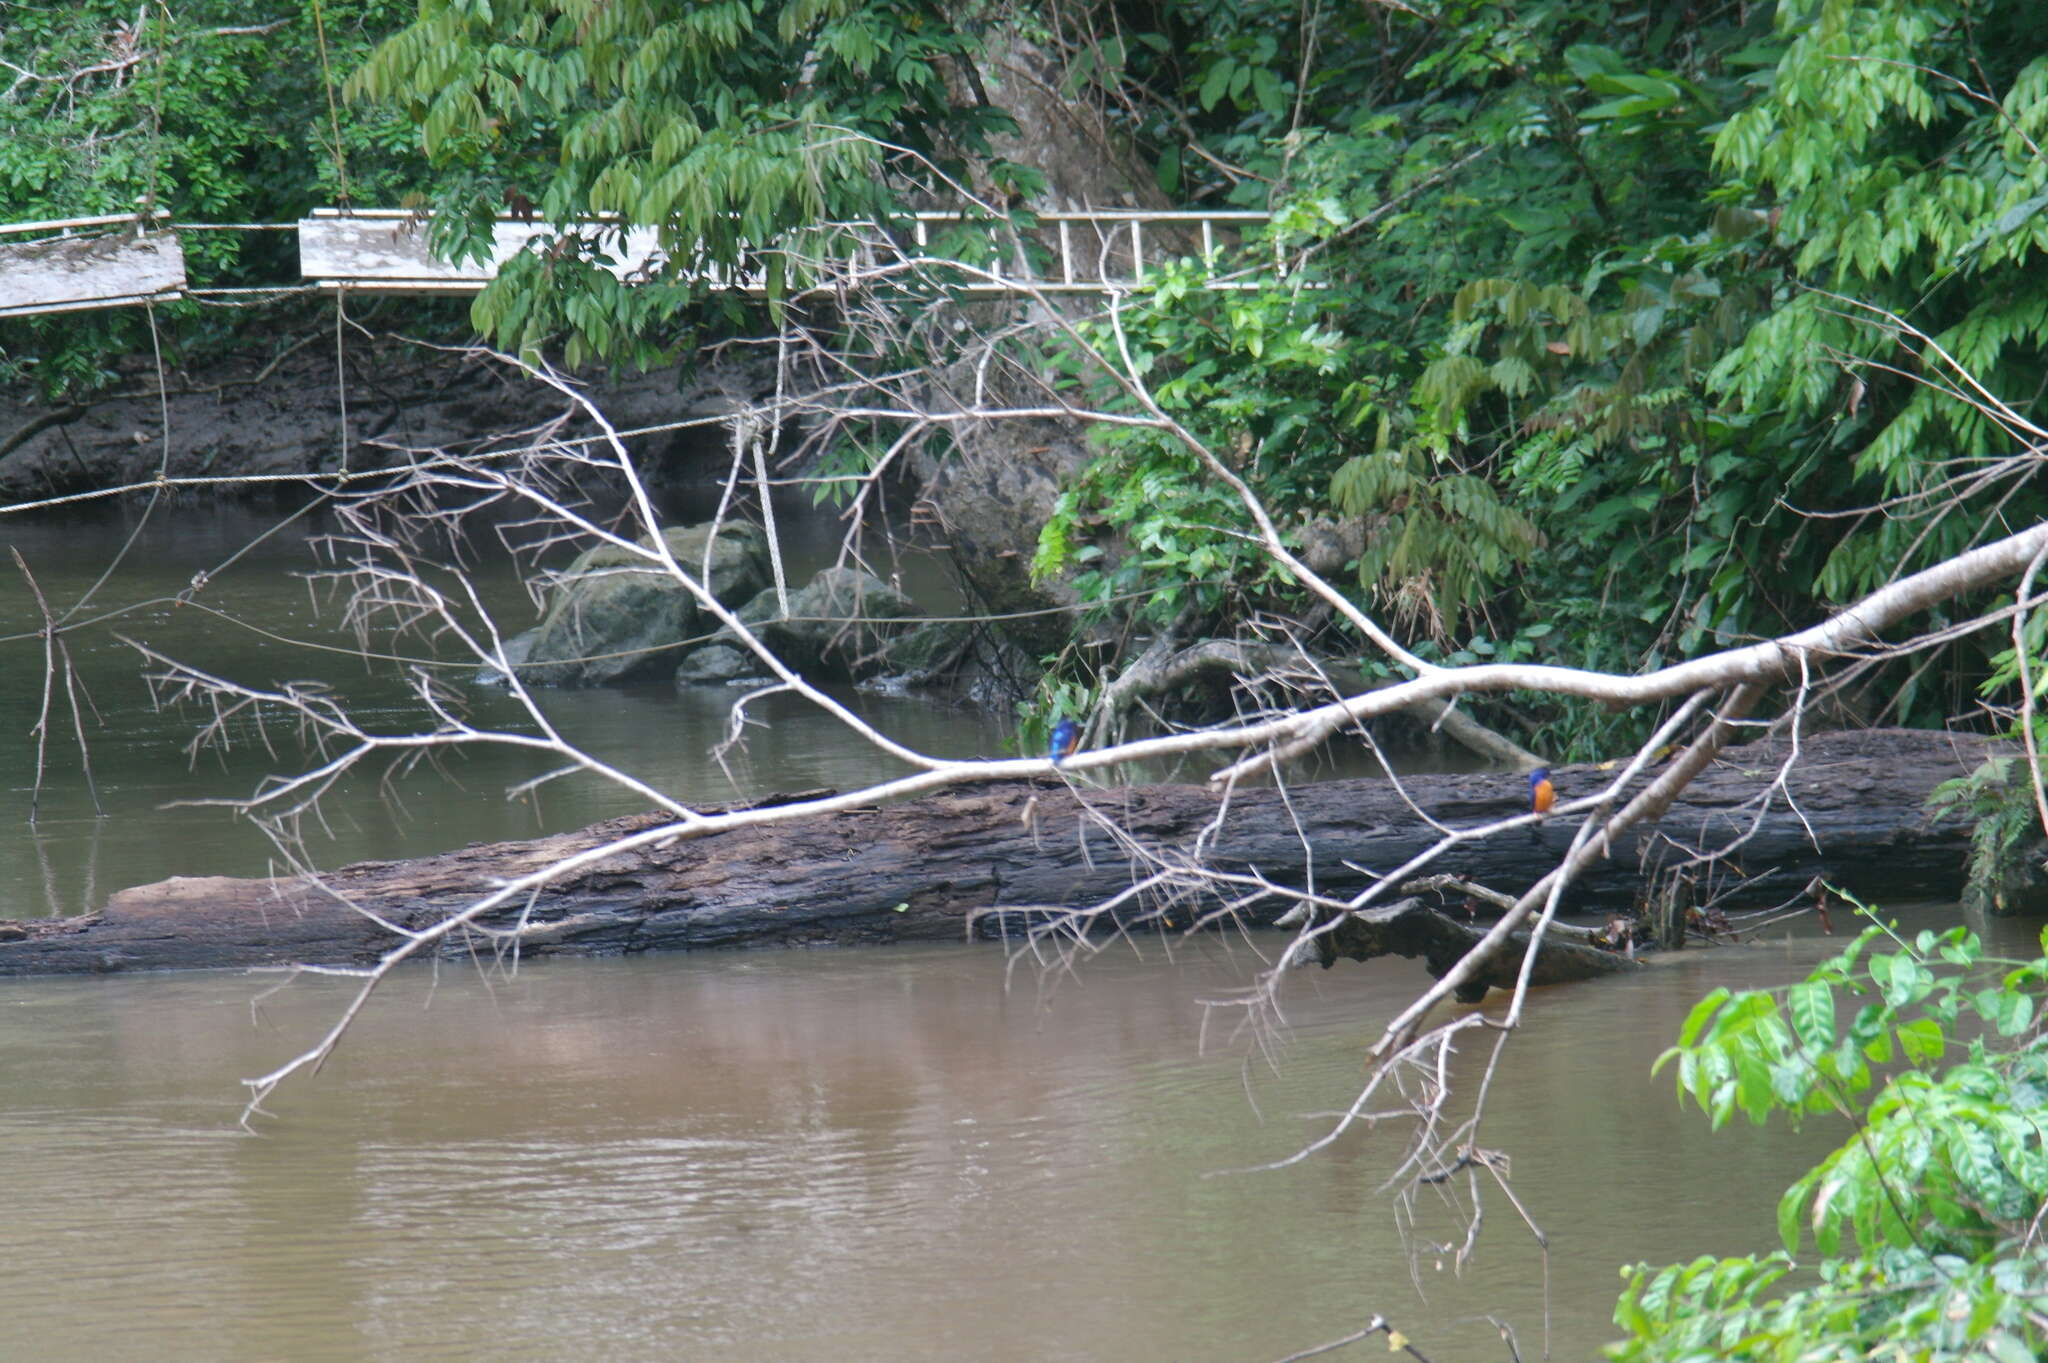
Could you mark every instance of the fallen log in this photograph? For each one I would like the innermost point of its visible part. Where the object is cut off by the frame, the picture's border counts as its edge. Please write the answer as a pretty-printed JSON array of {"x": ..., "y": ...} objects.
[{"x": 992, "y": 859}]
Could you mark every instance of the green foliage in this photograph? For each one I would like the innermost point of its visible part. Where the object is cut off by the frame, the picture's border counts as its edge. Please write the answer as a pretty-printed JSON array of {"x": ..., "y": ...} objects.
[
  {"x": 723, "y": 125},
  {"x": 1894, "y": 139},
  {"x": 1438, "y": 540},
  {"x": 1176, "y": 530},
  {"x": 1922, "y": 1220},
  {"x": 1999, "y": 795},
  {"x": 1608, "y": 292},
  {"x": 1478, "y": 365},
  {"x": 1244, "y": 380},
  {"x": 1587, "y": 325},
  {"x": 202, "y": 110},
  {"x": 1054, "y": 702}
]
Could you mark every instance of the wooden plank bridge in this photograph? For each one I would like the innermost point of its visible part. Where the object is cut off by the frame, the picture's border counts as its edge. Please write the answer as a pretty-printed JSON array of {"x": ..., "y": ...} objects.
[
  {"x": 104, "y": 262},
  {"x": 74, "y": 263}
]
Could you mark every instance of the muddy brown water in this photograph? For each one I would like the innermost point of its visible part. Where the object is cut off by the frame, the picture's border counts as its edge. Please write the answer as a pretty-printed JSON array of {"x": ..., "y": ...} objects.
[{"x": 831, "y": 1155}]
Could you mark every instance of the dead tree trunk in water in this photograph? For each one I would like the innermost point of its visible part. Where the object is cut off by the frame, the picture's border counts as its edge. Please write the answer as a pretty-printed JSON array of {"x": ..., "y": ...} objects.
[{"x": 995, "y": 857}]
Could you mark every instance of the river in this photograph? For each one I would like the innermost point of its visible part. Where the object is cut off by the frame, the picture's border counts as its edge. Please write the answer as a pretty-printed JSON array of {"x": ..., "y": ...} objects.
[{"x": 843, "y": 1155}]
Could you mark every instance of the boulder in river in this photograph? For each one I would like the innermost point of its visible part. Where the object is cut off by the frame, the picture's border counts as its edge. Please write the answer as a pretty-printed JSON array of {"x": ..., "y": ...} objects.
[
  {"x": 839, "y": 626},
  {"x": 612, "y": 616},
  {"x": 843, "y": 625},
  {"x": 720, "y": 663}
]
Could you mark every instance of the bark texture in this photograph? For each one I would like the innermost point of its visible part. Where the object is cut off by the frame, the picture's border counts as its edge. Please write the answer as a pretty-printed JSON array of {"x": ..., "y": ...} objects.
[
  {"x": 933, "y": 869},
  {"x": 1419, "y": 930}
]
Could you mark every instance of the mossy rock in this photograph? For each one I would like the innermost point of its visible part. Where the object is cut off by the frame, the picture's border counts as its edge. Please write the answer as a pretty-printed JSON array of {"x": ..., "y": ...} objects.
[
  {"x": 840, "y": 627},
  {"x": 614, "y": 617},
  {"x": 720, "y": 664},
  {"x": 921, "y": 654}
]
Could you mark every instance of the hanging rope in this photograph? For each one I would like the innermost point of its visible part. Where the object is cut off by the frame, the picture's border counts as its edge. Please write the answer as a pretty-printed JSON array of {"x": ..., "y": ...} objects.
[
  {"x": 147, "y": 208},
  {"x": 333, "y": 110},
  {"x": 161, "y": 483},
  {"x": 341, "y": 185}
]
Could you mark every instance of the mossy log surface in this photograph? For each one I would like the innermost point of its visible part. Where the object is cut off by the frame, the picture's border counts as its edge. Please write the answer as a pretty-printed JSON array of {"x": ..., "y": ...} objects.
[{"x": 933, "y": 868}]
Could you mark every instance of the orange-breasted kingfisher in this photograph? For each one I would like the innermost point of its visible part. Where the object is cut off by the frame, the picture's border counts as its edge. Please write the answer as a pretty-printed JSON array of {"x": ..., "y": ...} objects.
[
  {"x": 1542, "y": 795},
  {"x": 1065, "y": 735}
]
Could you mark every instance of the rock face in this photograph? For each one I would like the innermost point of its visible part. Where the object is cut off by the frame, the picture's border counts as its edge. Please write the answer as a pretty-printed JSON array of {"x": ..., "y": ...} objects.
[
  {"x": 719, "y": 664},
  {"x": 1085, "y": 160},
  {"x": 612, "y": 617},
  {"x": 994, "y": 490},
  {"x": 843, "y": 625},
  {"x": 837, "y": 626}
]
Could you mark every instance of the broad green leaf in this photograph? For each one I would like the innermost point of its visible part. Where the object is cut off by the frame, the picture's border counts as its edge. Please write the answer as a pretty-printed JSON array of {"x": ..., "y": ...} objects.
[
  {"x": 1811, "y": 1007},
  {"x": 1922, "y": 1040},
  {"x": 1974, "y": 1157},
  {"x": 2006, "y": 1348},
  {"x": 2015, "y": 1013},
  {"x": 1689, "y": 1030}
]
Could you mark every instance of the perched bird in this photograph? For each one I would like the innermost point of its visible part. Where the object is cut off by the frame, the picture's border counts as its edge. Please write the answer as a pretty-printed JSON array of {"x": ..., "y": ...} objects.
[
  {"x": 1065, "y": 735},
  {"x": 1542, "y": 795}
]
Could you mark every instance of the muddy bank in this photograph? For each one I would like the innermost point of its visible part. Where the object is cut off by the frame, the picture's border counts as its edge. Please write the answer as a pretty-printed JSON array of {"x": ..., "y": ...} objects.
[{"x": 302, "y": 406}]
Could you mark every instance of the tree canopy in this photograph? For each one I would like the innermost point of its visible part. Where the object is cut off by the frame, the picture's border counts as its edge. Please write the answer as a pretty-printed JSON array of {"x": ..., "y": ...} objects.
[
  {"x": 1614, "y": 331},
  {"x": 1630, "y": 319},
  {"x": 1615, "y": 327},
  {"x": 206, "y": 111}
]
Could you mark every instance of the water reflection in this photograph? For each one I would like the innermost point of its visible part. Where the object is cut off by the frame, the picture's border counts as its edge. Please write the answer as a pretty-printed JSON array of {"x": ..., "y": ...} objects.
[
  {"x": 819, "y": 1155},
  {"x": 256, "y": 621},
  {"x": 845, "y": 1156}
]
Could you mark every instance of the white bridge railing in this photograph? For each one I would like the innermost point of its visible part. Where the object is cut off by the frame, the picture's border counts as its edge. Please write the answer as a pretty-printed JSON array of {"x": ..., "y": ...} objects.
[
  {"x": 386, "y": 250},
  {"x": 115, "y": 261}
]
